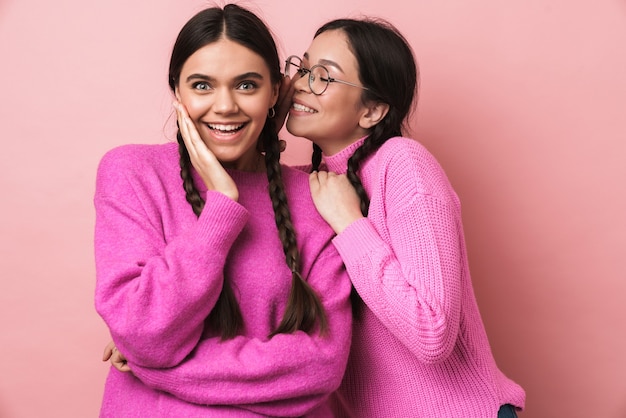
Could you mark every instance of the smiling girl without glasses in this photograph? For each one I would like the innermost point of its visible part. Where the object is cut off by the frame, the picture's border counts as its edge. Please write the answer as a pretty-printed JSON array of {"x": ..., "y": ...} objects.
[{"x": 215, "y": 274}]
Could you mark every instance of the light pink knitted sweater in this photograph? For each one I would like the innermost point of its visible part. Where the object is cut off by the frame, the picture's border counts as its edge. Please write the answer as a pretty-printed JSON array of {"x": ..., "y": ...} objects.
[
  {"x": 420, "y": 347},
  {"x": 159, "y": 272}
]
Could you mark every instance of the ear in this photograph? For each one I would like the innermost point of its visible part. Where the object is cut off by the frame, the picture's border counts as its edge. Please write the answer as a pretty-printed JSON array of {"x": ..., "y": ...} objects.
[
  {"x": 275, "y": 92},
  {"x": 177, "y": 94},
  {"x": 374, "y": 113}
]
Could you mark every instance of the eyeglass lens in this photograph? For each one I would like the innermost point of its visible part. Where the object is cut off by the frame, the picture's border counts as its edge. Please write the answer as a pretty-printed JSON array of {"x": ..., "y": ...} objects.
[
  {"x": 318, "y": 76},
  {"x": 292, "y": 66}
]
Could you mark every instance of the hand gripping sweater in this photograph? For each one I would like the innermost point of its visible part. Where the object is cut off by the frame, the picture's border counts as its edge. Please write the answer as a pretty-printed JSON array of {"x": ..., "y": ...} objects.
[
  {"x": 419, "y": 348},
  {"x": 160, "y": 270}
]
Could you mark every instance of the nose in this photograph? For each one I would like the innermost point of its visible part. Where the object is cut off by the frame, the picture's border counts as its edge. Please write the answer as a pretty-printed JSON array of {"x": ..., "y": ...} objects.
[
  {"x": 302, "y": 83},
  {"x": 224, "y": 101}
]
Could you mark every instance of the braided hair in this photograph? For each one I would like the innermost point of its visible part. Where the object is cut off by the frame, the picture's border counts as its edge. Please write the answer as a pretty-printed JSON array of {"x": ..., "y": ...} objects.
[{"x": 304, "y": 309}]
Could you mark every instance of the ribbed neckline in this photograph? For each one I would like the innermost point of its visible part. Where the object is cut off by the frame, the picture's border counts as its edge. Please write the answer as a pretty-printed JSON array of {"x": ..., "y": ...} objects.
[{"x": 339, "y": 162}]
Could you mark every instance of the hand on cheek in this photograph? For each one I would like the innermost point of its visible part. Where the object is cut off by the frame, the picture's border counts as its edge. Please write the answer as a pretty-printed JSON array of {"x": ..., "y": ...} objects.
[{"x": 204, "y": 161}]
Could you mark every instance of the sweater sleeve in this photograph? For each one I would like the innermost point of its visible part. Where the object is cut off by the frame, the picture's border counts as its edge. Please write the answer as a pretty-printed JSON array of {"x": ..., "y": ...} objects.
[
  {"x": 154, "y": 295},
  {"x": 288, "y": 375},
  {"x": 412, "y": 282}
]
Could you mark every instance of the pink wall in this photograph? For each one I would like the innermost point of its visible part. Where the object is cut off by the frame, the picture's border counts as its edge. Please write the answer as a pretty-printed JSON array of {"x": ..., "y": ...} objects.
[{"x": 524, "y": 103}]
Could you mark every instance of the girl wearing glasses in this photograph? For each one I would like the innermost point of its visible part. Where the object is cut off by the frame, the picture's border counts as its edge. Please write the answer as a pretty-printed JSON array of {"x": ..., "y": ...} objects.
[
  {"x": 419, "y": 347},
  {"x": 222, "y": 299}
]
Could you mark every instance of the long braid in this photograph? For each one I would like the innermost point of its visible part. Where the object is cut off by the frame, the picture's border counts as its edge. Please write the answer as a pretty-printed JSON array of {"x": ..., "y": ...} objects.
[
  {"x": 225, "y": 315},
  {"x": 303, "y": 307},
  {"x": 191, "y": 193},
  {"x": 316, "y": 158}
]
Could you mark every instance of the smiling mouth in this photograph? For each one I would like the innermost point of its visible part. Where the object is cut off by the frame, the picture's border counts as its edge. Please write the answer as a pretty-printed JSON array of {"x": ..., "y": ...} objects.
[
  {"x": 302, "y": 108},
  {"x": 225, "y": 129}
]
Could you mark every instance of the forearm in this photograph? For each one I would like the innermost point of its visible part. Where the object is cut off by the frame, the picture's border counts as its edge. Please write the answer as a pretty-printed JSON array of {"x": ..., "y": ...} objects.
[
  {"x": 155, "y": 295},
  {"x": 289, "y": 374},
  {"x": 412, "y": 284}
]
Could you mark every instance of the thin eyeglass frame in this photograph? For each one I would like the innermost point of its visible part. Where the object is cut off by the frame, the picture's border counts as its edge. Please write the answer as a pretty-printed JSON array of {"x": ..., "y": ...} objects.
[{"x": 311, "y": 76}]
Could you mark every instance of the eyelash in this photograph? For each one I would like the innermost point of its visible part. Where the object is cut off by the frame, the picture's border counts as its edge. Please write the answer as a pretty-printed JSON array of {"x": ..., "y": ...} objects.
[
  {"x": 204, "y": 86},
  {"x": 196, "y": 86},
  {"x": 306, "y": 72},
  {"x": 250, "y": 84}
]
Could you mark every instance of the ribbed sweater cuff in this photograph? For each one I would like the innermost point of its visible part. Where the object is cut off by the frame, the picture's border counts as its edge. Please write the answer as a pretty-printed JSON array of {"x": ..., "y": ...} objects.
[
  {"x": 357, "y": 240},
  {"x": 222, "y": 219}
]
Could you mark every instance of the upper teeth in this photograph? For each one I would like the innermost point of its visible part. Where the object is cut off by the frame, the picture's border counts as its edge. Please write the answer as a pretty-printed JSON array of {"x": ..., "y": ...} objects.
[
  {"x": 303, "y": 108},
  {"x": 225, "y": 127}
]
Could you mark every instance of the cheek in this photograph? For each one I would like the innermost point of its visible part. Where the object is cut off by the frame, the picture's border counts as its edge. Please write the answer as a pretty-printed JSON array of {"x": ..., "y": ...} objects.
[
  {"x": 256, "y": 109},
  {"x": 195, "y": 105}
]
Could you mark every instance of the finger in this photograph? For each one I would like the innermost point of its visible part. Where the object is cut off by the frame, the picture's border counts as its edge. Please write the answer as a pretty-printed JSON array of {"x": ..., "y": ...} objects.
[
  {"x": 191, "y": 137},
  {"x": 322, "y": 177},
  {"x": 124, "y": 368},
  {"x": 285, "y": 94},
  {"x": 179, "y": 115},
  {"x": 183, "y": 126},
  {"x": 108, "y": 351},
  {"x": 119, "y": 361}
]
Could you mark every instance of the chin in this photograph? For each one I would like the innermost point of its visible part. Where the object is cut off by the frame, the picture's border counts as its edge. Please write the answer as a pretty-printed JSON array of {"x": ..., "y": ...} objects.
[{"x": 296, "y": 130}]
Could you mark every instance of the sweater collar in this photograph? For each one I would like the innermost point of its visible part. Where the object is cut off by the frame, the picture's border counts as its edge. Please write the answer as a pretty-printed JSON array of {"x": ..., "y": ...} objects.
[{"x": 338, "y": 163}]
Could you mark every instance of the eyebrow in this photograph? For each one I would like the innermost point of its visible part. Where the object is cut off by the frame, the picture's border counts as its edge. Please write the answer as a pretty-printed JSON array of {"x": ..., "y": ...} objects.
[
  {"x": 204, "y": 77},
  {"x": 326, "y": 63}
]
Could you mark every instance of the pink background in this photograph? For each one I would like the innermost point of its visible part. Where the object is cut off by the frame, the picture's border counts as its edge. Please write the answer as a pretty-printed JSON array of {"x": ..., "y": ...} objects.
[{"x": 523, "y": 102}]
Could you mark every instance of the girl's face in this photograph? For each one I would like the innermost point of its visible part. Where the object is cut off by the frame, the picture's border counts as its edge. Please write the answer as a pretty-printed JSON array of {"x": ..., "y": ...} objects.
[
  {"x": 332, "y": 119},
  {"x": 227, "y": 91}
]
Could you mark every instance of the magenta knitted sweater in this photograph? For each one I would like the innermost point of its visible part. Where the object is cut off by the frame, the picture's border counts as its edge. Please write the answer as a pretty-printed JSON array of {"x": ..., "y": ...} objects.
[
  {"x": 419, "y": 348},
  {"x": 160, "y": 270}
]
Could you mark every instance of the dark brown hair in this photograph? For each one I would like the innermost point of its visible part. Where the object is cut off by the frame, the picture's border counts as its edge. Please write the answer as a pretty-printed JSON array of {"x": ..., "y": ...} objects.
[{"x": 240, "y": 25}]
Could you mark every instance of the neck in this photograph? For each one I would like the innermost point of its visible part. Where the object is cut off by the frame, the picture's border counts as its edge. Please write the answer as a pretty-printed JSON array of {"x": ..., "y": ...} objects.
[{"x": 254, "y": 163}]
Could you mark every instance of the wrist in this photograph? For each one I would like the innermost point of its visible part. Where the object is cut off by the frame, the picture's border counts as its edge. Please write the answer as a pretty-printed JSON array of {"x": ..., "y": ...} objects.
[{"x": 343, "y": 224}]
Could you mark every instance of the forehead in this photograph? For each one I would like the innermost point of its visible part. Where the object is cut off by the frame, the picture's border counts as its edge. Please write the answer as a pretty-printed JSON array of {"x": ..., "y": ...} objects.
[
  {"x": 225, "y": 58},
  {"x": 332, "y": 47}
]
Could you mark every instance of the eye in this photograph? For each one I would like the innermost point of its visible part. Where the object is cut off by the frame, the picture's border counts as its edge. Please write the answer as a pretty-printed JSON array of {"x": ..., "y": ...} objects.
[
  {"x": 302, "y": 71},
  {"x": 201, "y": 85},
  {"x": 247, "y": 85}
]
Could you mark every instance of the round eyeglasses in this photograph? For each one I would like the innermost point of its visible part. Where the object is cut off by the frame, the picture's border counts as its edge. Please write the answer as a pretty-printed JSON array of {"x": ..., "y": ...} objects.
[{"x": 319, "y": 77}]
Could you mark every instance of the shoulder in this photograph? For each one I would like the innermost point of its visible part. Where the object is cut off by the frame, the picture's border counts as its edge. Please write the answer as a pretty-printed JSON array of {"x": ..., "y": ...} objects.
[
  {"x": 301, "y": 204},
  {"x": 131, "y": 156},
  {"x": 295, "y": 173},
  {"x": 138, "y": 158},
  {"x": 297, "y": 187},
  {"x": 133, "y": 163},
  {"x": 407, "y": 164},
  {"x": 406, "y": 152}
]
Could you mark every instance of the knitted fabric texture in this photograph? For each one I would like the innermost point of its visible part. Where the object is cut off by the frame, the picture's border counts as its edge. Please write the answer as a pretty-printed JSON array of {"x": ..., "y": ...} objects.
[
  {"x": 419, "y": 348},
  {"x": 160, "y": 270}
]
